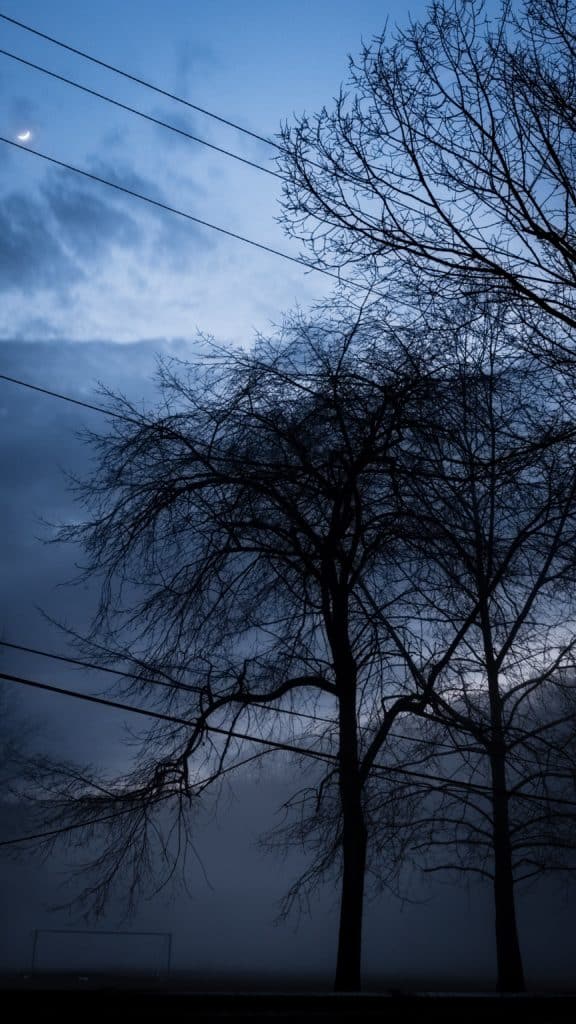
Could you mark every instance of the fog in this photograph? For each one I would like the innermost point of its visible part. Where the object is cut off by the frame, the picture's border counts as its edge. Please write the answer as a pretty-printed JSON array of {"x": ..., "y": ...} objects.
[
  {"x": 225, "y": 929},
  {"x": 441, "y": 937}
]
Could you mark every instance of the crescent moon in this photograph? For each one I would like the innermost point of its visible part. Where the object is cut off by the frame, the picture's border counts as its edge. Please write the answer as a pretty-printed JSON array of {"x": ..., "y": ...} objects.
[{"x": 24, "y": 136}]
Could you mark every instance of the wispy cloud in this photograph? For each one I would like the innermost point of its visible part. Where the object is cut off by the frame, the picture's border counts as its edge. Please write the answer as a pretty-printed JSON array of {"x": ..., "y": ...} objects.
[
  {"x": 31, "y": 256},
  {"x": 87, "y": 223}
]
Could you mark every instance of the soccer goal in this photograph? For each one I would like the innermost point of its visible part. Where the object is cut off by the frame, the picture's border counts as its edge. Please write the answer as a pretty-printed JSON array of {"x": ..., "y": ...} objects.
[{"x": 86, "y": 952}]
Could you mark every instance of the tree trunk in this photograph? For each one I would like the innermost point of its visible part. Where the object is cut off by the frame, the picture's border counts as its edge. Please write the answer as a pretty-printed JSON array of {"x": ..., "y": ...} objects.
[
  {"x": 354, "y": 840},
  {"x": 508, "y": 955},
  {"x": 354, "y": 833},
  {"x": 348, "y": 964}
]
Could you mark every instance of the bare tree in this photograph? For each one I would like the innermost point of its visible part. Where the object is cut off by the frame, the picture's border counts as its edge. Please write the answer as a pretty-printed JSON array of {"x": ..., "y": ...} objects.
[
  {"x": 449, "y": 162},
  {"x": 242, "y": 535},
  {"x": 299, "y": 551},
  {"x": 446, "y": 173},
  {"x": 494, "y": 522}
]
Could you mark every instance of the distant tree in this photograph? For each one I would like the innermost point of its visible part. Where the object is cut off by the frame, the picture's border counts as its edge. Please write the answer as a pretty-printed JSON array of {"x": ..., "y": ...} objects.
[
  {"x": 242, "y": 535},
  {"x": 494, "y": 534},
  {"x": 448, "y": 165}
]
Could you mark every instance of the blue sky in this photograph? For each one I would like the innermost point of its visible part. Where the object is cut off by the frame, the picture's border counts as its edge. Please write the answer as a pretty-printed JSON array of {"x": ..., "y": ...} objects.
[
  {"x": 84, "y": 270},
  {"x": 90, "y": 264}
]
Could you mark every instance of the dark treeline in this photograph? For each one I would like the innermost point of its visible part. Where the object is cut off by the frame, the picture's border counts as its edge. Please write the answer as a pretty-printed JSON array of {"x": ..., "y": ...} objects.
[{"x": 369, "y": 520}]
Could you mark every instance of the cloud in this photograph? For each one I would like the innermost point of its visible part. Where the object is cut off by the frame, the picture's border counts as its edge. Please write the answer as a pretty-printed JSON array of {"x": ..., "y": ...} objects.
[
  {"x": 98, "y": 263},
  {"x": 175, "y": 240},
  {"x": 31, "y": 257},
  {"x": 39, "y": 433},
  {"x": 46, "y": 242},
  {"x": 194, "y": 62},
  {"x": 181, "y": 242},
  {"x": 86, "y": 223},
  {"x": 89, "y": 224},
  {"x": 187, "y": 148},
  {"x": 125, "y": 176},
  {"x": 39, "y": 440}
]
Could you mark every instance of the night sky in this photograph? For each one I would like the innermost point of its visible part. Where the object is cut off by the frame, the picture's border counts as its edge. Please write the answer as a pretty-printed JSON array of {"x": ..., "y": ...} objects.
[{"x": 93, "y": 285}]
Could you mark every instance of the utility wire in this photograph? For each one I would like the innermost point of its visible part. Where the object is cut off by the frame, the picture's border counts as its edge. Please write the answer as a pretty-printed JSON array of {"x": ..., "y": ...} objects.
[
  {"x": 160, "y": 716},
  {"x": 67, "y": 398},
  {"x": 177, "y": 720},
  {"x": 276, "y": 745},
  {"x": 235, "y": 156},
  {"x": 140, "y": 81},
  {"x": 180, "y": 213},
  {"x": 53, "y": 832},
  {"x": 173, "y": 685},
  {"x": 143, "y": 115},
  {"x": 179, "y": 99},
  {"x": 87, "y": 405},
  {"x": 87, "y": 823}
]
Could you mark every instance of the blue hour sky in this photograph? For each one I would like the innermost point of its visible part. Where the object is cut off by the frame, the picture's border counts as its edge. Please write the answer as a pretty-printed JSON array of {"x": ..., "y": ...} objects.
[
  {"x": 93, "y": 284},
  {"x": 81, "y": 262},
  {"x": 85, "y": 270}
]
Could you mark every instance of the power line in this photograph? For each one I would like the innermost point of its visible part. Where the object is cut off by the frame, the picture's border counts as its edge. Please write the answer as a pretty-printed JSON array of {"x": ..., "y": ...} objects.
[
  {"x": 160, "y": 716},
  {"x": 92, "y": 699},
  {"x": 66, "y": 398},
  {"x": 143, "y": 115},
  {"x": 276, "y": 745},
  {"x": 140, "y": 81},
  {"x": 53, "y": 832},
  {"x": 99, "y": 668},
  {"x": 180, "y": 213},
  {"x": 187, "y": 687},
  {"x": 179, "y": 99},
  {"x": 172, "y": 684},
  {"x": 87, "y": 823},
  {"x": 177, "y": 720},
  {"x": 130, "y": 675}
]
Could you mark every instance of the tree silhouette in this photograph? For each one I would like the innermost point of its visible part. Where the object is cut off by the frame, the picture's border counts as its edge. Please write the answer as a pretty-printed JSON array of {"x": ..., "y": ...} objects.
[
  {"x": 448, "y": 164},
  {"x": 242, "y": 534},
  {"x": 494, "y": 523}
]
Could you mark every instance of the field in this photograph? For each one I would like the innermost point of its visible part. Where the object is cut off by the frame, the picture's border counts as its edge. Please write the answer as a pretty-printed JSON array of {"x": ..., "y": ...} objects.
[{"x": 257, "y": 999}]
